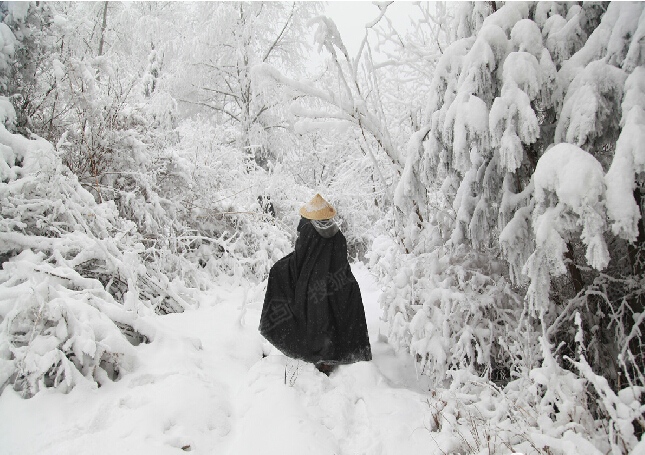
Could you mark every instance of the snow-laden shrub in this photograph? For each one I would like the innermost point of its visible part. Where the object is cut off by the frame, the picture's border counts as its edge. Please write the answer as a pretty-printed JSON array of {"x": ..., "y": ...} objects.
[
  {"x": 552, "y": 410},
  {"x": 621, "y": 408},
  {"x": 210, "y": 192},
  {"x": 242, "y": 244},
  {"x": 546, "y": 414},
  {"x": 452, "y": 310},
  {"x": 45, "y": 208},
  {"x": 73, "y": 280},
  {"x": 59, "y": 329}
]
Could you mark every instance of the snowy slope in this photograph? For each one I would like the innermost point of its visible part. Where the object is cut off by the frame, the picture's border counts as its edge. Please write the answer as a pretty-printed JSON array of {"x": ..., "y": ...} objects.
[{"x": 202, "y": 386}]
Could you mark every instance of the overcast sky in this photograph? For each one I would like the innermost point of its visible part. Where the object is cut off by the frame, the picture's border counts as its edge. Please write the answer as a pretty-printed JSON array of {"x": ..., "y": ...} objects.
[{"x": 351, "y": 17}]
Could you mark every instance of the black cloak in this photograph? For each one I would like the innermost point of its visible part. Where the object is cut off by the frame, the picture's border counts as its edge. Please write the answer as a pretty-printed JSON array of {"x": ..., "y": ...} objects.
[{"x": 313, "y": 308}]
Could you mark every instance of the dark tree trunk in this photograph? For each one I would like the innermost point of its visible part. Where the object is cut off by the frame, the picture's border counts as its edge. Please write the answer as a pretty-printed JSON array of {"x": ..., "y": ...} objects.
[
  {"x": 636, "y": 252},
  {"x": 574, "y": 271}
]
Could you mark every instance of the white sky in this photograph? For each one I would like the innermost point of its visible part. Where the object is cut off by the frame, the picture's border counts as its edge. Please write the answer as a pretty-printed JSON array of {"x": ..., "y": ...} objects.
[{"x": 351, "y": 16}]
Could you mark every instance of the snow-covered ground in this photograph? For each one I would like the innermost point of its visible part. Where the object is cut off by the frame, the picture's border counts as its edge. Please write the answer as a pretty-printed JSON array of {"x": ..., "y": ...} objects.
[{"x": 203, "y": 386}]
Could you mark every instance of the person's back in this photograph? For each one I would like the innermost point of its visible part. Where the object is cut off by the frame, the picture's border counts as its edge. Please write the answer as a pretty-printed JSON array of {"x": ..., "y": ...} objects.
[{"x": 313, "y": 308}]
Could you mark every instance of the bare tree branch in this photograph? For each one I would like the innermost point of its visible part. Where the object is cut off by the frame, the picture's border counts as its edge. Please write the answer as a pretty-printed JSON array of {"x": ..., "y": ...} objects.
[
  {"x": 284, "y": 28},
  {"x": 221, "y": 92},
  {"x": 215, "y": 108},
  {"x": 348, "y": 109}
]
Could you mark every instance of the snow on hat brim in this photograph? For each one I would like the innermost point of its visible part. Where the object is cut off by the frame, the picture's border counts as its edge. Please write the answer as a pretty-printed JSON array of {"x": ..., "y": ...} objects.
[{"x": 317, "y": 209}]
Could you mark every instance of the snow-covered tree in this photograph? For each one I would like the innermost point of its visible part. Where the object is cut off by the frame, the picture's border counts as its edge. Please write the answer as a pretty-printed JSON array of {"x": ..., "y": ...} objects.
[
  {"x": 533, "y": 138},
  {"x": 365, "y": 95},
  {"x": 27, "y": 43},
  {"x": 232, "y": 38}
]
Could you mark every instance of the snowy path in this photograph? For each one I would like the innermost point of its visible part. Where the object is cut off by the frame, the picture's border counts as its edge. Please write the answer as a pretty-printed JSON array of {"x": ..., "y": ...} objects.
[{"x": 202, "y": 386}]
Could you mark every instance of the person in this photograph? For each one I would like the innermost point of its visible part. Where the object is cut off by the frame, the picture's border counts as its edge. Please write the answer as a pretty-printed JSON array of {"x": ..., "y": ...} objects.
[{"x": 313, "y": 310}]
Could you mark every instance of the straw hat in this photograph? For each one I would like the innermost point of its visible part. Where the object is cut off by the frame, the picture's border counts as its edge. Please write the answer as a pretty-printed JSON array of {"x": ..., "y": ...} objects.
[{"x": 318, "y": 209}]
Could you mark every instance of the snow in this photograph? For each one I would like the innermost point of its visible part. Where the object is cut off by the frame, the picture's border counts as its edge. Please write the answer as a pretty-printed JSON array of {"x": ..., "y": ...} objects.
[
  {"x": 523, "y": 70},
  {"x": 7, "y": 118},
  {"x": 577, "y": 179},
  {"x": 198, "y": 381},
  {"x": 636, "y": 54},
  {"x": 59, "y": 69},
  {"x": 507, "y": 16},
  {"x": 526, "y": 37},
  {"x": 622, "y": 32},
  {"x": 571, "y": 173},
  {"x": 591, "y": 103},
  {"x": 7, "y": 40},
  {"x": 489, "y": 49},
  {"x": 512, "y": 119},
  {"x": 470, "y": 129},
  {"x": 569, "y": 193},
  {"x": 629, "y": 160},
  {"x": 611, "y": 39},
  {"x": 202, "y": 385},
  {"x": 549, "y": 75},
  {"x": 325, "y": 127},
  {"x": 515, "y": 243},
  {"x": 327, "y": 35},
  {"x": 18, "y": 10},
  {"x": 447, "y": 67},
  {"x": 60, "y": 20},
  {"x": 562, "y": 36}
]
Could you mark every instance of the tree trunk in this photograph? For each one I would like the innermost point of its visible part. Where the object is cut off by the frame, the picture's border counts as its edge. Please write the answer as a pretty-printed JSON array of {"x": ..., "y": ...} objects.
[
  {"x": 574, "y": 271},
  {"x": 637, "y": 250},
  {"x": 103, "y": 27},
  {"x": 636, "y": 254}
]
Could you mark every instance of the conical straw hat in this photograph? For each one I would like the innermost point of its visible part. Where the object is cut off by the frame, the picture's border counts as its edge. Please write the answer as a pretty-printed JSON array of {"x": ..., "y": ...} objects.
[{"x": 318, "y": 209}]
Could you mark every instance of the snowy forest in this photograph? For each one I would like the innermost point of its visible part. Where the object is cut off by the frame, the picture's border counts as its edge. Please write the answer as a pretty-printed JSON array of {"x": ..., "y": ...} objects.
[{"x": 488, "y": 169}]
